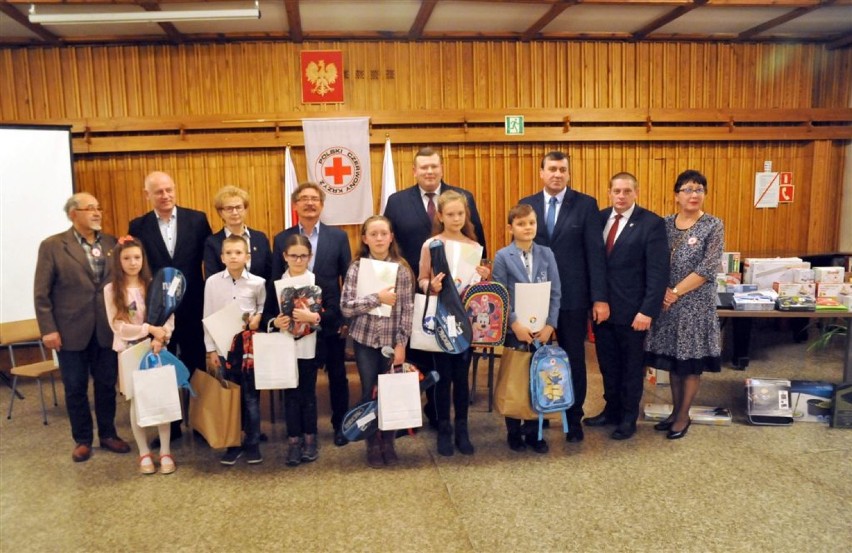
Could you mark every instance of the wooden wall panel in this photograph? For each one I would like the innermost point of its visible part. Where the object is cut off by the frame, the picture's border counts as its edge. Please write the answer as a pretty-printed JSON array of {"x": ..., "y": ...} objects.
[{"x": 46, "y": 84}]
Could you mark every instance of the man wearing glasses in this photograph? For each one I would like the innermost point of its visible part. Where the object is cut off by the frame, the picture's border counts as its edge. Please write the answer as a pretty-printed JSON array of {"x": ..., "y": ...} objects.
[
  {"x": 174, "y": 237},
  {"x": 71, "y": 271},
  {"x": 330, "y": 261}
]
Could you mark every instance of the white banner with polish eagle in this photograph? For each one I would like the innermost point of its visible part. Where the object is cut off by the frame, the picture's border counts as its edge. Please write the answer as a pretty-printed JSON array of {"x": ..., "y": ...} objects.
[{"x": 338, "y": 157}]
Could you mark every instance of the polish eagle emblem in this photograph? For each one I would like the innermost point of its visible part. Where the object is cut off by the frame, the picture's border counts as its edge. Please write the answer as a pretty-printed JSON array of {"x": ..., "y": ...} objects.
[{"x": 321, "y": 76}]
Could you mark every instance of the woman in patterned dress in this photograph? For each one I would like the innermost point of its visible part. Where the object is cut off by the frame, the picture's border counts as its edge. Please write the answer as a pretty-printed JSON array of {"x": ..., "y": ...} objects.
[{"x": 684, "y": 339}]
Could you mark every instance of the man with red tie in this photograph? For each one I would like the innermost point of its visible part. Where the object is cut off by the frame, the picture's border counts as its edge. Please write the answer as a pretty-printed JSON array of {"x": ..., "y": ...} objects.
[{"x": 637, "y": 268}]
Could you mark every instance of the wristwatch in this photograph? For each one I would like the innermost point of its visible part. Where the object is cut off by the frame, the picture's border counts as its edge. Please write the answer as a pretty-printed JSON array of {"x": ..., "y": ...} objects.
[{"x": 675, "y": 292}]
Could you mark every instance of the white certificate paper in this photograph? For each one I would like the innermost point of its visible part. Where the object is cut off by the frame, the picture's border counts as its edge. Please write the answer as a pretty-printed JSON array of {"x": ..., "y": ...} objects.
[
  {"x": 129, "y": 361},
  {"x": 375, "y": 276},
  {"x": 223, "y": 325},
  {"x": 463, "y": 260},
  {"x": 532, "y": 303}
]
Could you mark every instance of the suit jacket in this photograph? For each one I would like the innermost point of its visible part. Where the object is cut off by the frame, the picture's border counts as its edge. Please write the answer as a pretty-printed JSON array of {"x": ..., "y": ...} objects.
[
  {"x": 192, "y": 231},
  {"x": 261, "y": 255},
  {"x": 411, "y": 225},
  {"x": 68, "y": 298},
  {"x": 578, "y": 247},
  {"x": 638, "y": 267},
  {"x": 509, "y": 269},
  {"x": 331, "y": 261}
]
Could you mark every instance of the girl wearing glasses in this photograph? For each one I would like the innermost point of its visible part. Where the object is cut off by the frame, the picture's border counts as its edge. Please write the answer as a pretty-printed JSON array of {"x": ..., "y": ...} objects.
[{"x": 684, "y": 339}]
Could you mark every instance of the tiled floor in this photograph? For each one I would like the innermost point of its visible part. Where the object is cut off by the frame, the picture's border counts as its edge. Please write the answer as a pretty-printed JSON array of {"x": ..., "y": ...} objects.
[{"x": 736, "y": 488}]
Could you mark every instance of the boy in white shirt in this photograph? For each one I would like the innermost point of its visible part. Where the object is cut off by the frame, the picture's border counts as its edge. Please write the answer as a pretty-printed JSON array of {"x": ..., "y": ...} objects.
[{"x": 236, "y": 284}]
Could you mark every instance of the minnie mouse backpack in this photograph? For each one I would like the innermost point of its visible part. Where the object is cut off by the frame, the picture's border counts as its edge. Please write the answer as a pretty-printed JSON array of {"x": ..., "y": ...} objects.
[{"x": 487, "y": 307}]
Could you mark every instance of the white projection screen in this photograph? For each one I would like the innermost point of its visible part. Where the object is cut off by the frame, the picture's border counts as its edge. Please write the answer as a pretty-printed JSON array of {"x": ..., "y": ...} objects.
[{"x": 36, "y": 179}]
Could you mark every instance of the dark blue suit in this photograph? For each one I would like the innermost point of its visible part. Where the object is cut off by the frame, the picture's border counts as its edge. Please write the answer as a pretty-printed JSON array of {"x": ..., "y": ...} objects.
[
  {"x": 331, "y": 261},
  {"x": 261, "y": 255},
  {"x": 636, "y": 276},
  {"x": 578, "y": 246},
  {"x": 192, "y": 231},
  {"x": 411, "y": 224}
]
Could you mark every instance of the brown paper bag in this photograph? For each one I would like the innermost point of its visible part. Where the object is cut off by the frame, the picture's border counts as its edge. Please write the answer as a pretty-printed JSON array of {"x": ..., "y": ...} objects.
[
  {"x": 215, "y": 412},
  {"x": 512, "y": 393}
]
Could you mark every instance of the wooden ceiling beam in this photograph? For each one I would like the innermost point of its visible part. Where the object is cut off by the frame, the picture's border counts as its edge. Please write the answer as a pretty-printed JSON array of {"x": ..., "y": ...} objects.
[
  {"x": 840, "y": 42},
  {"x": 12, "y": 13},
  {"x": 294, "y": 20},
  {"x": 545, "y": 20},
  {"x": 423, "y": 15},
  {"x": 168, "y": 28},
  {"x": 667, "y": 18}
]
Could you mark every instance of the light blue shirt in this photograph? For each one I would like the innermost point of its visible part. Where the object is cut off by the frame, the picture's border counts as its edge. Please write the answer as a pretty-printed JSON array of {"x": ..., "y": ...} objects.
[
  {"x": 313, "y": 238},
  {"x": 559, "y": 198}
]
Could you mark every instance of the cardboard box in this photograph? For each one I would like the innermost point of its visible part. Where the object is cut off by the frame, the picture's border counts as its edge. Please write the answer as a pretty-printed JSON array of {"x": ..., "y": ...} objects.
[
  {"x": 769, "y": 401},
  {"x": 830, "y": 304},
  {"x": 730, "y": 262},
  {"x": 795, "y": 303},
  {"x": 723, "y": 280},
  {"x": 789, "y": 289},
  {"x": 845, "y": 300},
  {"x": 828, "y": 274},
  {"x": 802, "y": 275},
  {"x": 700, "y": 414},
  {"x": 764, "y": 272},
  {"x": 811, "y": 400},
  {"x": 753, "y": 301},
  {"x": 829, "y": 289},
  {"x": 841, "y": 416}
]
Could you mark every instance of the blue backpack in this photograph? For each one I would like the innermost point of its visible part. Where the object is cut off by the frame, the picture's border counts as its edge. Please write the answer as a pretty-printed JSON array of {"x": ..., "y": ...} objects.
[{"x": 550, "y": 384}]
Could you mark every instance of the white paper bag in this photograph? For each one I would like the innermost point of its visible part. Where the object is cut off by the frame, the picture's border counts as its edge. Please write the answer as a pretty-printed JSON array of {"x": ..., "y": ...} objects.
[
  {"x": 128, "y": 361},
  {"x": 155, "y": 396},
  {"x": 421, "y": 338},
  {"x": 275, "y": 364},
  {"x": 532, "y": 304},
  {"x": 399, "y": 401},
  {"x": 374, "y": 276},
  {"x": 223, "y": 325}
]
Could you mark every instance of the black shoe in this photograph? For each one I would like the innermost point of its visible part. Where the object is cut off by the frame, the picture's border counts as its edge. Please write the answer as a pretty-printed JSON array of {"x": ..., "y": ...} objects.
[
  {"x": 516, "y": 441},
  {"x": 664, "y": 426},
  {"x": 575, "y": 434},
  {"x": 445, "y": 439},
  {"x": 676, "y": 435},
  {"x": 339, "y": 439},
  {"x": 263, "y": 437},
  {"x": 539, "y": 446},
  {"x": 463, "y": 438},
  {"x": 231, "y": 455},
  {"x": 624, "y": 431},
  {"x": 602, "y": 419}
]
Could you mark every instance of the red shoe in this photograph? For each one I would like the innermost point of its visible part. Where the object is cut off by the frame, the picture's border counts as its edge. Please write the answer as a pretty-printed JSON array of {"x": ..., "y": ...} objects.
[{"x": 81, "y": 453}]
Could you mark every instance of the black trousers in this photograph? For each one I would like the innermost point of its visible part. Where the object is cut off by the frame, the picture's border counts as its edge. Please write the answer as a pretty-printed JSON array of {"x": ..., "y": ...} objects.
[
  {"x": 621, "y": 353},
  {"x": 571, "y": 334}
]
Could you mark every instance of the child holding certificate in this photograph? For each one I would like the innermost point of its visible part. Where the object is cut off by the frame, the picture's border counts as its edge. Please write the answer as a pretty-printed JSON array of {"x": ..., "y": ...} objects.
[{"x": 525, "y": 262}]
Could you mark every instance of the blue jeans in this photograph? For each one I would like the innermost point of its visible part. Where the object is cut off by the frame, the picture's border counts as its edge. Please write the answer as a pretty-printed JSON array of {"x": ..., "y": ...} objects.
[
  {"x": 371, "y": 363},
  {"x": 250, "y": 397},
  {"x": 76, "y": 366}
]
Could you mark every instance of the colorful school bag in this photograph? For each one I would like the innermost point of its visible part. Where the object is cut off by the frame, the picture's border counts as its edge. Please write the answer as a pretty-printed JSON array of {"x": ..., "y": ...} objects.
[
  {"x": 550, "y": 384},
  {"x": 453, "y": 331},
  {"x": 306, "y": 296},
  {"x": 487, "y": 307}
]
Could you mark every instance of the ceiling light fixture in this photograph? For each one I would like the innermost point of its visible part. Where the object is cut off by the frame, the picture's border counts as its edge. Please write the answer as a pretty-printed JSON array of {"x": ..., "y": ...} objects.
[{"x": 144, "y": 17}]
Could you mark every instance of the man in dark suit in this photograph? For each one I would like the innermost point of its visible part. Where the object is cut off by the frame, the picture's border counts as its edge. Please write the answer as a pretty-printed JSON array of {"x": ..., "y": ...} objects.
[
  {"x": 569, "y": 225},
  {"x": 408, "y": 210},
  {"x": 331, "y": 258},
  {"x": 232, "y": 203},
  {"x": 71, "y": 271},
  {"x": 637, "y": 275},
  {"x": 412, "y": 218},
  {"x": 174, "y": 237}
]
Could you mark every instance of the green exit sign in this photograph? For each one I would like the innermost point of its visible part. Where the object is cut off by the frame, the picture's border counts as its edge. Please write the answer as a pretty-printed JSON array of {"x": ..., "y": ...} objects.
[{"x": 514, "y": 125}]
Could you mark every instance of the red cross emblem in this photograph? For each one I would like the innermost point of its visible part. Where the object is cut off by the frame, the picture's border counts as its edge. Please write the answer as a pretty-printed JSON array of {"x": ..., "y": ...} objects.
[{"x": 337, "y": 170}]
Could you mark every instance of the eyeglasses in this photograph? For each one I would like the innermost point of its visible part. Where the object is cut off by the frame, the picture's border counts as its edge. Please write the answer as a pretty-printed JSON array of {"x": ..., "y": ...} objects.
[
  {"x": 691, "y": 191},
  {"x": 309, "y": 199},
  {"x": 232, "y": 208},
  {"x": 90, "y": 209},
  {"x": 299, "y": 258}
]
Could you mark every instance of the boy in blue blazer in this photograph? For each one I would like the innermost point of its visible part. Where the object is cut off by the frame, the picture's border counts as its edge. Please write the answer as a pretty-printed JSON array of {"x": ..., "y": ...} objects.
[{"x": 525, "y": 261}]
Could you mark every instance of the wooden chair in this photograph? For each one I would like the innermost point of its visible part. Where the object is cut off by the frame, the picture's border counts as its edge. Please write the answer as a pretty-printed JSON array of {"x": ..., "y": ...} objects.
[{"x": 26, "y": 333}]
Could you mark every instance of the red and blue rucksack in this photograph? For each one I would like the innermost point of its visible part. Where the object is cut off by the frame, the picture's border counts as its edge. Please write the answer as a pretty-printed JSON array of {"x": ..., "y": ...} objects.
[
  {"x": 550, "y": 384},
  {"x": 487, "y": 307}
]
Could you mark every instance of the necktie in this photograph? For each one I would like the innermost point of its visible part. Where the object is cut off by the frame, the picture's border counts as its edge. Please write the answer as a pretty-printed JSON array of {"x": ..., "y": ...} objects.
[
  {"x": 430, "y": 207},
  {"x": 550, "y": 219},
  {"x": 610, "y": 238}
]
